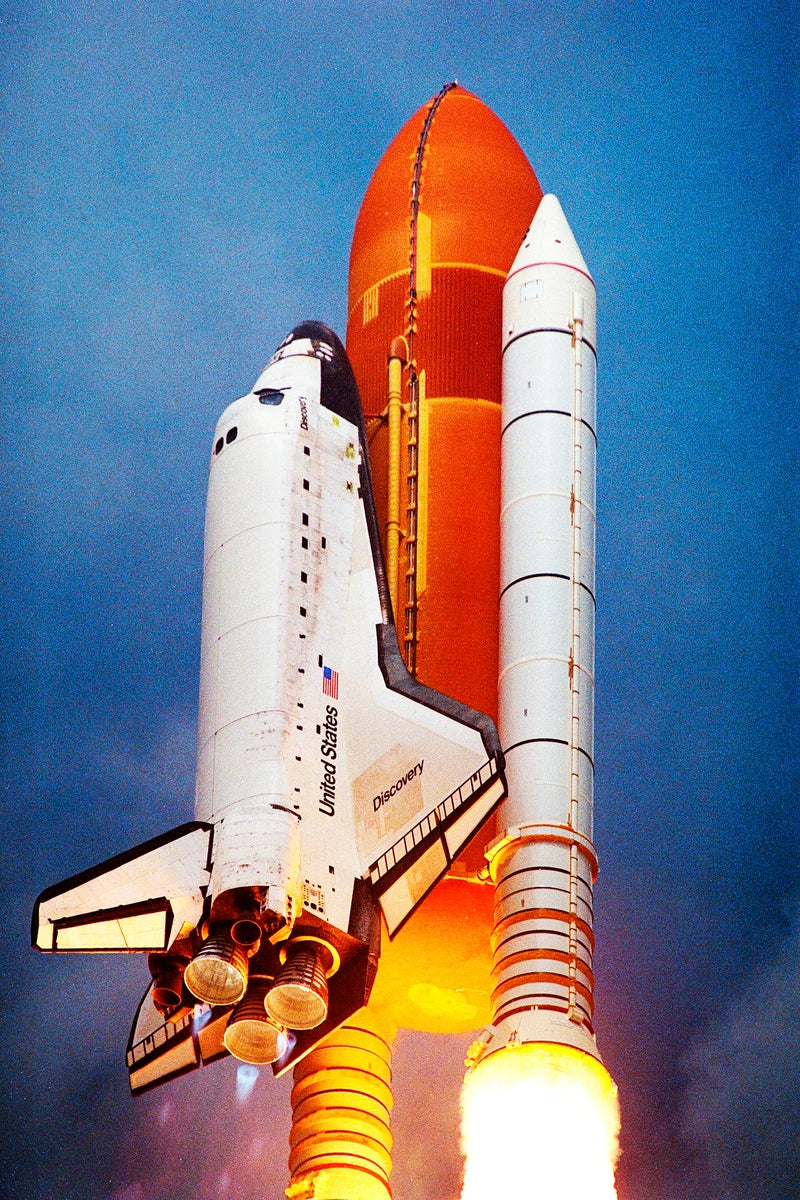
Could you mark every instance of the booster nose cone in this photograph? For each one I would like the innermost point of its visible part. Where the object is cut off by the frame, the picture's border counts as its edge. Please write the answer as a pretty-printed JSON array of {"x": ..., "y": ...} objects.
[
  {"x": 549, "y": 240},
  {"x": 547, "y": 288}
]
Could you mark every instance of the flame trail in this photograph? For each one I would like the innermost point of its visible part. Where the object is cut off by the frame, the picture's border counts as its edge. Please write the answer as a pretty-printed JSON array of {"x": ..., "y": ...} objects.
[
  {"x": 539, "y": 1122},
  {"x": 246, "y": 1080}
]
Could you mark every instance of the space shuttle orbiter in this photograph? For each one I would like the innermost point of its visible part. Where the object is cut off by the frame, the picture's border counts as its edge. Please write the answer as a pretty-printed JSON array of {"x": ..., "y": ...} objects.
[{"x": 330, "y": 783}]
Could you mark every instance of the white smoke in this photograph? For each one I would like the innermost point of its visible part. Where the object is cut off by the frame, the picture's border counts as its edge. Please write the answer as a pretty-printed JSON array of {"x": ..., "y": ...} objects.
[
  {"x": 743, "y": 1096},
  {"x": 246, "y": 1080}
]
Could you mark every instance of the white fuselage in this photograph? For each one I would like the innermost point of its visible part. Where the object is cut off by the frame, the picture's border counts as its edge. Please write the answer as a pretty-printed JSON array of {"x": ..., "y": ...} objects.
[{"x": 274, "y": 586}]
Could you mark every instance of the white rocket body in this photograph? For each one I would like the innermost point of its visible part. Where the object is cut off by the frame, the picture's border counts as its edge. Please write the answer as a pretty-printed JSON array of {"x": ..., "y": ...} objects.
[{"x": 544, "y": 862}]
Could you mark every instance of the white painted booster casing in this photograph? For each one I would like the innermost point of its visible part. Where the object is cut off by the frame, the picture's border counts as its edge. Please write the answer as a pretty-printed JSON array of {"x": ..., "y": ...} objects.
[{"x": 544, "y": 862}]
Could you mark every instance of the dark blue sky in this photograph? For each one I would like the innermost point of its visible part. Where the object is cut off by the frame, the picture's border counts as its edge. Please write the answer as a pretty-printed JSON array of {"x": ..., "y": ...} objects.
[{"x": 179, "y": 188}]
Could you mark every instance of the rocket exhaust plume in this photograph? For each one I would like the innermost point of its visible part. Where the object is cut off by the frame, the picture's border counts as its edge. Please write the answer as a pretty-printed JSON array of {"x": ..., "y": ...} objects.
[
  {"x": 539, "y": 1122},
  {"x": 540, "y": 1114}
]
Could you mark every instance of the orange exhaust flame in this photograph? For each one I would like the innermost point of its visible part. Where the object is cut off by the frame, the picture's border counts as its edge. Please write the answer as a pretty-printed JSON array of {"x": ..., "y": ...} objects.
[{"x": 539, "y": 1122}]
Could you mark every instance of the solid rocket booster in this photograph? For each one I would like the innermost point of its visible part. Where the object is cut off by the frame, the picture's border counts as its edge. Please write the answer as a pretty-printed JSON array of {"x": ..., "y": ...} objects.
[{"x": 544, "y": 863}]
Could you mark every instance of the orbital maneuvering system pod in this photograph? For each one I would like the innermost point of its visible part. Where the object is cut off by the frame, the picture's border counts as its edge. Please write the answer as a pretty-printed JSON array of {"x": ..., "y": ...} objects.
[{"x": 331, "y": 785}]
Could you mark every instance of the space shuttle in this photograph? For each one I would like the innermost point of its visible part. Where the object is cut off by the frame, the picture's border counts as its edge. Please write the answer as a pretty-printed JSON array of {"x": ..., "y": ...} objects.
[{"x": 332, "y": 788}]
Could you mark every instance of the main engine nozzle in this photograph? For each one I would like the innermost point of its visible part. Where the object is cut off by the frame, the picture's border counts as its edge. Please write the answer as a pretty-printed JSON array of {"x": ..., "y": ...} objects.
[
  {"x": 218, "y": 972},
  {"x": 251, "y": 1034},
  {"x": 299, "y": 996}
]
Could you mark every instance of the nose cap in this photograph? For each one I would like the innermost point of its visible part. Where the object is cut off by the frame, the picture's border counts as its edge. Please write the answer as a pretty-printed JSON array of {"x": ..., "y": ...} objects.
[{"x": 549, "y": 240}]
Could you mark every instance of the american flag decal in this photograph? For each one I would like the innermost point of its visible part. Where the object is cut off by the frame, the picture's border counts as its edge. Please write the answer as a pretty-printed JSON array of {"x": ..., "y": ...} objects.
[{"x": 330, "y": 683}]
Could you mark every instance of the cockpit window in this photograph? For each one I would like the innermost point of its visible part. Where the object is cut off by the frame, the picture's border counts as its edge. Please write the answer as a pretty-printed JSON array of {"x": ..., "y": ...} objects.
[{"x": 270, "y": 396}]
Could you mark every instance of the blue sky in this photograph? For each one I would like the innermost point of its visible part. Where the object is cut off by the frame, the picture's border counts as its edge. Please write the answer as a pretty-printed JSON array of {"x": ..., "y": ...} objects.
[{"x": 179, "y": 188}]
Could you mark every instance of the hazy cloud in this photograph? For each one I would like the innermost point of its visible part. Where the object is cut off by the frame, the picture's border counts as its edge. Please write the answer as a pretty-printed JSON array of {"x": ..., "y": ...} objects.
[{"x": 743, "y": 1099}]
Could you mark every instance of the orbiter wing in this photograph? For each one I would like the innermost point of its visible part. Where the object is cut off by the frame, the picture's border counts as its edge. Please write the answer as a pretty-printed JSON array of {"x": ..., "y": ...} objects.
[
  {"x": 417, "y": 805},
  {"x": 139, "y": 900}
]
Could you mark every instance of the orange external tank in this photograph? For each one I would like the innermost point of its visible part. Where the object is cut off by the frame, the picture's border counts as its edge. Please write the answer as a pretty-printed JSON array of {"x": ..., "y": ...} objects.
[{"x": 438, "y": 229}]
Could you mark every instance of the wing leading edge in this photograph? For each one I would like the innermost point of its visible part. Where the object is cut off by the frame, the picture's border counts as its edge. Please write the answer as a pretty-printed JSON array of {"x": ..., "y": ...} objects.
[{"x": 416, "y": 809}]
